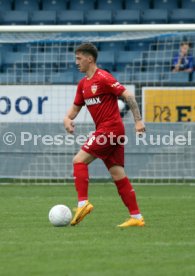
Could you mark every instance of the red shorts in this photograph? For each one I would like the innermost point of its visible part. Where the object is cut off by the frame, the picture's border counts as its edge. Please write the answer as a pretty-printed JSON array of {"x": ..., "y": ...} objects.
[{"x": 106, "y": 147}]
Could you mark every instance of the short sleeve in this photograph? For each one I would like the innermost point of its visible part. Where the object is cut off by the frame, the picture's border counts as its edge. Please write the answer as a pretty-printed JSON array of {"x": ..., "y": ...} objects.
[
  {"x": 113, "y": 86},
  {"x": 78, "y": 100},
  {"x": 175, "y": 60}
]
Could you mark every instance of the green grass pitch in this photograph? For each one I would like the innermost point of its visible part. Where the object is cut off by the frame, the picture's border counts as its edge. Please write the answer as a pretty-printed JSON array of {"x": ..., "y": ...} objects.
[{"x": 29, "y": 245}]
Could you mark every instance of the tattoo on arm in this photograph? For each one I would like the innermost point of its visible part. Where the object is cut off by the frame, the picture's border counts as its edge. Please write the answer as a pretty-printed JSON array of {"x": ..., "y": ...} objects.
[{"x": 131, "y": 101}]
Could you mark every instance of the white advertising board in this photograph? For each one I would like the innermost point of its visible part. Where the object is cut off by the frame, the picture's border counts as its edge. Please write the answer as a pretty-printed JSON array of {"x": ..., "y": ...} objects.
[{"x": 37, "y": 103}]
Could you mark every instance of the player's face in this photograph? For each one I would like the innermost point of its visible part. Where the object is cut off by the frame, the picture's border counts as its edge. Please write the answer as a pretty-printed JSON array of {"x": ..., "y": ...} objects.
[
  {"x": 83, "y": 62},
  {"x": 184, "y": 49}
]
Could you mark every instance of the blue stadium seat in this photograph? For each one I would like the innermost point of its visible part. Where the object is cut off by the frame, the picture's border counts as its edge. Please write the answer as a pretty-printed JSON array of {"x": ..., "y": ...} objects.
[
  {"x": 5, "y": 5},
  {"x": 122, "y": 77},
  {"x": 3, "y": 78},
  {"x": 32, "y": 78},
  {"x": 44, "y": 58},
  {"x": 99, "y": 17},
  {"x": 139, "y": 45},
  {"x": 109, "y": 5},
  {"x": 137, "y": 4},
  {"x": 179, "y": 77},
  {"x": 159, "y": 68},
  {"x": 1, "y": 59},
  {"x": 43, "y": 18},
  {"x": 106, "y": 60},
  {"x": 112, "y": 46},
  {"x": 155, "y": 16},
  {"x": 78, "y": 76},
  {"x": 6, "y": 48},
  {"x": 106, "y": 57},
  {"x": 129, "y": 57},
  {"x": 27, "y": 48},
  {"x": 159, "y": 57},
  {"x": 188, "y": 4},
  {"x": 193, "y": 77},
  {"x": 145, "y": 77},
  {"x": 26, "y": 5},
  {"x": 70, "y": 17},
  {"x": 182, "y": 16},
  {"x": 54, "y": 5},
  {"x": 15, "y": 60},
  {"x": 14, "y": 18},
  {"x": 126, "y": 17},
  {"x": 165, "y": 4},
  {"x": 82, "y": 5},
  {"x": 62, "y": 78},
  {"x": 8, "y": 78}
]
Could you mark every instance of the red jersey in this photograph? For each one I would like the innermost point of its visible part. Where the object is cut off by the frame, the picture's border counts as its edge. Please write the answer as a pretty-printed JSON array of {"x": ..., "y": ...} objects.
[{"x": 100, "y": 94}]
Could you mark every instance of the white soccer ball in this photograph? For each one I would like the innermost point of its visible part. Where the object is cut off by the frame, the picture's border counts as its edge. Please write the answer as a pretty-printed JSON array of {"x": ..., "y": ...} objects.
[
  {"x": 121, "y": 105},
  {"x": 60, "y": 215}
]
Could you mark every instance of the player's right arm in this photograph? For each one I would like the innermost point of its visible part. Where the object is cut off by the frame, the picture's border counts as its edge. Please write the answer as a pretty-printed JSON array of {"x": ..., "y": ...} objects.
[
  {"x": 177, "y": 62},
  {"x": 70, "y": 116}
]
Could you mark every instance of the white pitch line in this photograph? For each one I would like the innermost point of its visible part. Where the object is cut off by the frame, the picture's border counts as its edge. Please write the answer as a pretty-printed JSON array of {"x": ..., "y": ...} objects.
[{"x": 105, "y": 183}]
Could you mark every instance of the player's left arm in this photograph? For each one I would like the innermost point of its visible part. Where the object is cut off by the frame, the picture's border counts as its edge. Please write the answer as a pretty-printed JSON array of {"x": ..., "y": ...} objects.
[
  {"x": 191, "y": 65},
  {"x": 132, "y": 103}
]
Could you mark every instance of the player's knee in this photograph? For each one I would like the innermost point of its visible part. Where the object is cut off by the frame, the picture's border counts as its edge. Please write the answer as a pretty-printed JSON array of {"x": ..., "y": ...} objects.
[
  {"x": 79, "y": 159},
  {"x": 76, "y": 160},
  {"x": 117, "y": 173}
]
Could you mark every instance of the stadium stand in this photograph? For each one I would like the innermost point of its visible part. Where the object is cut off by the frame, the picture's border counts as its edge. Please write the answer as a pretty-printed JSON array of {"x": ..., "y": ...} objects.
[
  {"x": 126, "y": 17},
  {"x": 111, "y": 46},
  {"x": 99, "y": 17},
  {"x": 14, "y": 18},
  {"x": 42, "y": 18},
  {"x": 176, "y": 77},
  {"x": 188, "y": 4},
  {"x": 31, "y": 78},
  {"x": 26, "y": 5},
  {"x": 83, "y": 5},
  {"x": 115, "y": 56},
  {"x": 165, "y": 4},
  {"x": 57, "y": 5},
  {"x": 137, "y": 4},
  {"x": 155, "y": 16},
  {"x": 61, "y": 78},
  {"x": 70, "y": 17},
  {"x": 182, "y": 16},
  {"x": 146, "y": 77},
  {"x": 106, "y": 60},
  {"x": 5, "y": 5},
  {"x": 109, "y": 5}
]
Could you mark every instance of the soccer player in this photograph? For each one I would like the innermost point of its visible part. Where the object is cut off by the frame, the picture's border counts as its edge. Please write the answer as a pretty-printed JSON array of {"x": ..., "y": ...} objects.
[
  {"x": 99, "y": 90},
  {"x": 183, "y": 61}
]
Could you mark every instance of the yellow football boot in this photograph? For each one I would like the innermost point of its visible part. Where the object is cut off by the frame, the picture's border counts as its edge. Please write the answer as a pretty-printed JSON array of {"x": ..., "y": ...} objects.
[
  {"x": 81, "y": 212},
  {"x": 132, "y": 222}
]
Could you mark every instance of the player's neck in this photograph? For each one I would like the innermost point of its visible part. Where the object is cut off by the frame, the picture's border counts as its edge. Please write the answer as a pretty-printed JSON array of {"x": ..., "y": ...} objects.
[{"x": 91, "y": 72}]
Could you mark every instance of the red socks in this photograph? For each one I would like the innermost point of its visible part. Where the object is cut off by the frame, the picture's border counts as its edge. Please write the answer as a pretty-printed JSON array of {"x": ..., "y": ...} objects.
[
  {"x": 81, "y": 179},
  {"x": 127, "y": 194},
  {"x": 125, "y": 189}
]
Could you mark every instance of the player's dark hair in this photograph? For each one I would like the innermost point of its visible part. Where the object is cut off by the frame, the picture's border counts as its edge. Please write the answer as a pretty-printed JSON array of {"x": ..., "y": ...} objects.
[{"x": 88, "y": 48}]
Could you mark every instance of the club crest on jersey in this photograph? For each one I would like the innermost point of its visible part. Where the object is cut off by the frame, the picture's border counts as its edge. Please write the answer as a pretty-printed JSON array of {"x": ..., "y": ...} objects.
[{"x": 94, "y": 88}]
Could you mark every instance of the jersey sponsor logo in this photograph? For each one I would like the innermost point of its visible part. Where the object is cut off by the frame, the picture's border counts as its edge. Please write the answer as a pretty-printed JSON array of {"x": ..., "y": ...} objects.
[
  {"x": 116, "y": 84},
  {"x": 93, "y": 101},
  {"x": 94, "y": 88}
]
